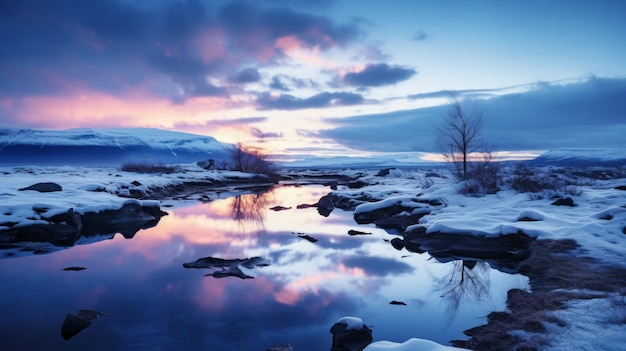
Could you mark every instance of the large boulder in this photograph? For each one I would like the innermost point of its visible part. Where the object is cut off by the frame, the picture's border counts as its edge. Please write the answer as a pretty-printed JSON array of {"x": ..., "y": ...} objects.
[
  {"x": 46, "y": 187},
  {"x": 350, "y": 334}
]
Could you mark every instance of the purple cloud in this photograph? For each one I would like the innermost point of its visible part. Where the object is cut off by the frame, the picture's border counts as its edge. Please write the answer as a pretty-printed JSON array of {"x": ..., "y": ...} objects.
[
  {"x": 266, "y": 101},
  {"x": 378, "y": 74}
]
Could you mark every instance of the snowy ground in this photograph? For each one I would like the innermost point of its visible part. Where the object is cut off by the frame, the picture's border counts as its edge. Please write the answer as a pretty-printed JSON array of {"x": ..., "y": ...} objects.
[
  {"x": 88, "y": 189},
  {"x": 597, "y": 223}
]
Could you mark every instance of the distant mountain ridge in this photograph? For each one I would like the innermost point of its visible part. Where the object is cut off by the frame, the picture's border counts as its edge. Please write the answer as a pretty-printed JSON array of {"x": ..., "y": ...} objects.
[
  {"x": 107, "y": 146},
  {"x": 582, "y": 157}
]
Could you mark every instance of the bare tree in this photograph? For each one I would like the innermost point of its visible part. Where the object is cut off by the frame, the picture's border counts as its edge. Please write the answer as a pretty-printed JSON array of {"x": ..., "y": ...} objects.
[
  {"x": 460, "y": 134},
  {"x": 252, "y": 160}
]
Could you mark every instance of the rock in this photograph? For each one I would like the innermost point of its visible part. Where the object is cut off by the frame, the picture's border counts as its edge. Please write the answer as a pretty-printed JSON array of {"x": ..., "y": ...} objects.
[
  {"x": 233, "y": 271},
  {"x": 333, "y": 185},
  {"x": 279, "y": 208},
  {"x": 564, "y": 202},
  {"x": 281, "y": 348},
  {"x": 384, "y": 172},
  {"x": 397, "y": 243},
  {"x": 208, "y": 164},
  {"x": 350, "y": 338},
  {"x": 357, "y": 232},
  {"x": 307, "y": 237},
  {"x": 620, "y": 187},
  {"x": 74, "y": 268},
  {"x": 356, "y": 184},
  {"x": 44, "y": 187},
  {"x": 325, "y": 205},
  {"x": 216, "y": 262},
  {"x": 303, "y": 206},
  {"x": 127, "y": 221},
  {"x": 135, "y": 183},
  {"x": 74, "y": 324},
  {"x": 228, "y": 267},
  {"x": 394, "y": 302}
]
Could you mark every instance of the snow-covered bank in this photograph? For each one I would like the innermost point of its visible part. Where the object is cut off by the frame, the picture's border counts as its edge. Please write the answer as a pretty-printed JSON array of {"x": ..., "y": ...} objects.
[
  {"x": 87, "y": 189},
  {"x": 596, "y": 222}
]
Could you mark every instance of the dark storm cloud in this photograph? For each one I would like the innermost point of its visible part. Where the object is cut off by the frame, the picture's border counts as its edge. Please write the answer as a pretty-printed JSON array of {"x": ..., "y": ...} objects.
[
  {"x": 52, "y": 47},
  {"x": 266, "y": 101},
  {"x": 277, "y": 84},
  {"x": 255, "y": 28},
  {"x": 246, "y": 75},
  {"x": 379, "y": 74},
  {"x": 583, "y": 114}
]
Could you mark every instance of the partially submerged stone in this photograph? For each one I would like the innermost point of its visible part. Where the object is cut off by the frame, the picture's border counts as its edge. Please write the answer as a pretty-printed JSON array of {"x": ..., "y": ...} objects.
[
  {"x": 228, "y": 267},
  {"x": 350, "y": 334},
  {"x": 74, "y": 324}
]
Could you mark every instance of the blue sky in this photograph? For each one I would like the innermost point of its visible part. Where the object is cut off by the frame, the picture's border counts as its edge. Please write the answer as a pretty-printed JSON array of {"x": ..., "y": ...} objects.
[{"x": 325, "y": 77}]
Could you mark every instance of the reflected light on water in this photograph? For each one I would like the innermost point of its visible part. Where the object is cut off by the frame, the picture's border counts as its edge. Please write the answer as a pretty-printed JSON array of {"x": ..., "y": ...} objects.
[{"x": 141, "y": 283}]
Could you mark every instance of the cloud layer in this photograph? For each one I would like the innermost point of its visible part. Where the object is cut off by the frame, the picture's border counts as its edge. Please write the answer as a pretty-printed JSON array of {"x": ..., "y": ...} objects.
[{"x": 590, "y": 113}]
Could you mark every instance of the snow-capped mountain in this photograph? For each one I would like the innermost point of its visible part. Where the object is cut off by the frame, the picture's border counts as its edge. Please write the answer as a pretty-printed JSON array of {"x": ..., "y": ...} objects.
[
  {"x": 107, "y": 146},
  {"x": 583, "y": 157}
]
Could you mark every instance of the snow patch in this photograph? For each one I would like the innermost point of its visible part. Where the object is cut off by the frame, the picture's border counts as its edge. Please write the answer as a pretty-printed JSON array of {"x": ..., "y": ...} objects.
[
  {"x": 412, "y": 344},
  {"x": 353, "y": 323}
]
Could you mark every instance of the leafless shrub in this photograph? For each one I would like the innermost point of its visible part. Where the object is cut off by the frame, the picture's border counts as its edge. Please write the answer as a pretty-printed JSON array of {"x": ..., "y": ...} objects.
[{"x": 254, "y": 161}]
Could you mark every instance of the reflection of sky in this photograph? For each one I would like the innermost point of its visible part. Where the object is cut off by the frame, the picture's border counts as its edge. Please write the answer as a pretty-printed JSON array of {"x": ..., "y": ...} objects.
[{"x": 151, "y": 301}]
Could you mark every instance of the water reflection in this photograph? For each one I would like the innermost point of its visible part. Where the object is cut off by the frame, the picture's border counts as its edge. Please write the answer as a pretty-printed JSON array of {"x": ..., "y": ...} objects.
[
  {"x": 466, "y": 280},
  {"x": 152, "y": 302},
  {"x": 249, "y": 210}
]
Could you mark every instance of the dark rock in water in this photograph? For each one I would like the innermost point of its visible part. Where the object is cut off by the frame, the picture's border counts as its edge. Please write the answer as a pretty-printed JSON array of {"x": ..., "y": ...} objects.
[
  {"x": 325, "y": 205},
  {"x": 303, "y": 206},
  {"x": 397, "y": 243},
  {"x": 352, "y": 339},
  {"x": 281, "y": 348},
  {"x": 216, "y": 262},
  {"x": 357, "y": 232},
  {"x": 74, "y": 324},
  {"x": 333, "y": 185},
  {"x": 564, "y": 202},
  {"x": 620, "y": 187},
  {"x": 135, "y": 183},
  {"x": 503, "y": 252},
  {"x": 279, "y": 208},
  {"x": 357, "y": 184},
  {"x": 232, "y": 271},
  {"x": 74, "y": 268},
  {"x": 394, "y": 302},
  {"x": 47, "y": 187},
  {"x": 127, "y": 221},
  {"x": 307, "y": 237},
  {"x": 228, "y": 267}
]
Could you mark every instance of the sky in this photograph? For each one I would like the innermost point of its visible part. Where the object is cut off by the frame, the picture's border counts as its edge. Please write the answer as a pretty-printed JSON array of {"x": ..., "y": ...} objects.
[{"x": 325, "y": 78}]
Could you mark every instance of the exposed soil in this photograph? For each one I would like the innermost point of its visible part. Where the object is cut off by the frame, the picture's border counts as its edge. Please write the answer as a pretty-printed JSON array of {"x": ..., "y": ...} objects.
[{"x": 555, "y": 272}]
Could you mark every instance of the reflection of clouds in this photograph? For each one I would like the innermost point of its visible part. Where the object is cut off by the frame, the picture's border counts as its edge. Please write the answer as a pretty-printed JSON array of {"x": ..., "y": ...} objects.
[{"x": 377, "y": 266}]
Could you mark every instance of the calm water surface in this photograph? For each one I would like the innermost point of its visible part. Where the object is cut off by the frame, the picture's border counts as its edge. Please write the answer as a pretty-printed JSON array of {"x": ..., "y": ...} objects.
[{"x": 152, "y": 303}]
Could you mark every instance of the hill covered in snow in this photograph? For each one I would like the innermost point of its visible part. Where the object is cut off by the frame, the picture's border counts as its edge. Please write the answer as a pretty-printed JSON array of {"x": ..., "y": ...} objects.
[
  {"x": 106, "y": 147},
  {"x": 581, "y": 157}
]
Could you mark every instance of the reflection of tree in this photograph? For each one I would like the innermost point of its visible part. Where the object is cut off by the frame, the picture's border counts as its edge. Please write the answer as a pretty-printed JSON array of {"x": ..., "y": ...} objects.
[
  {"x": 466, "y": 280},
  {"x": 250, "y": 208}
]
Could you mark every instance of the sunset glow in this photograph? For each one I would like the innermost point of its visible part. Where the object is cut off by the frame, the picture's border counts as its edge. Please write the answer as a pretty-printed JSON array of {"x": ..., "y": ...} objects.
[{"x": 326, "y": 79}]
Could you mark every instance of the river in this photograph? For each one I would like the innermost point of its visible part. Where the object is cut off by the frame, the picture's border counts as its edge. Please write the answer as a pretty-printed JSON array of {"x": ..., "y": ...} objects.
[{"x": 314, "y": 273}]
